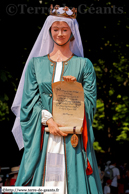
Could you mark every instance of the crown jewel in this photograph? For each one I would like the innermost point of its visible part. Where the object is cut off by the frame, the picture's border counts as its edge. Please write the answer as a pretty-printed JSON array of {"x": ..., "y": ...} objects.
[{"x": 63, "y": 12}]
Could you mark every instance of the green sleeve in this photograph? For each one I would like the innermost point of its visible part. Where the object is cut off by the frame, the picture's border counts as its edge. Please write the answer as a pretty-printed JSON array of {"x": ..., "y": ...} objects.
[
  {"x": 30, "y": 120},
  {"x": 90, "y": 89}
]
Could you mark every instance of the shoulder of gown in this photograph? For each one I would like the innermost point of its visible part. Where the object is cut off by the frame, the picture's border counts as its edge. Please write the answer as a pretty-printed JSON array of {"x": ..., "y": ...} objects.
[
  {"x": 86, "y": 62},
  {"x": 83, "y": 58}
]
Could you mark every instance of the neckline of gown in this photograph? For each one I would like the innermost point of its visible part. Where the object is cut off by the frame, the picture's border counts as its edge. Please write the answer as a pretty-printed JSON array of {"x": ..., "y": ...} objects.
[{"x": 60, "y": 61}]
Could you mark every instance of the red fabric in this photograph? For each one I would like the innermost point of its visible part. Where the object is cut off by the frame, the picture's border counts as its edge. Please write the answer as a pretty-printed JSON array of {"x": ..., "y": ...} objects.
[
  {"x": 85, "y": 133},
  {"x": 12, "y": 182},
  {"x": 89, "y": 169},
  {"x": 42, "y": 133},
  {"x": 85, "y": 141}
]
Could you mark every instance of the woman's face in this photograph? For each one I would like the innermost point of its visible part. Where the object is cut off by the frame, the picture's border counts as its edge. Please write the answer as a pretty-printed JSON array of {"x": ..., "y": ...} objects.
[{"x": 60, "y": 32}]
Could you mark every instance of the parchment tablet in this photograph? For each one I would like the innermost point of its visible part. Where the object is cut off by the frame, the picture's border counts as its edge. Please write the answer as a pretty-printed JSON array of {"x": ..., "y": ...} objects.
[{"x": 68, "y": 103}]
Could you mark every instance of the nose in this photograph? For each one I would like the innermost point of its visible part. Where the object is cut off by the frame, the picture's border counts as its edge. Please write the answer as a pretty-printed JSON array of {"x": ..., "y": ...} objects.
[{"x": 60, "y": 33}]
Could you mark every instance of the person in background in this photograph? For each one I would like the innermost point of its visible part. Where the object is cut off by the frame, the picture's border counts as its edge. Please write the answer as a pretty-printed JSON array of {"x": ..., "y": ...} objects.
[
  {"x": 116, "y": 176},
  {"x": 122, "y": 178},
  {"x": 12, "y": 176},
  {"x": 107, "y": 189},
  {"x": 1, "y": 184},
  {"x": 101, "y": 171},
  {"x": 126, "y": 183},
  {"x": 1, "y": 181}
]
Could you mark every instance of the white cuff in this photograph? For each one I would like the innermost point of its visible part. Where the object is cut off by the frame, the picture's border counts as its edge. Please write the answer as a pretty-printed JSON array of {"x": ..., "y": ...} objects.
[{"x": 45, "y": 116}]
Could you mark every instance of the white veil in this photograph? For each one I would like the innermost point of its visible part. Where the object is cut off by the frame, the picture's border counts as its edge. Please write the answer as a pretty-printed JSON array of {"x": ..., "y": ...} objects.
[{"x": 43, "y": 46}]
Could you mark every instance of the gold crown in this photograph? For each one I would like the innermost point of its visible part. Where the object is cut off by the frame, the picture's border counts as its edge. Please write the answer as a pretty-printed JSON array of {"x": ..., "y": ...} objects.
[{"x": 63, "y": 11}]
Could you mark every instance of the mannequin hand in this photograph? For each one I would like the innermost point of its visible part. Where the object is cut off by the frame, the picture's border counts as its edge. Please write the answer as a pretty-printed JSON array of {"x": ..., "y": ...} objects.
[
  {"x": 69, "y": 78},
  {"x": 53, "y": 128}
]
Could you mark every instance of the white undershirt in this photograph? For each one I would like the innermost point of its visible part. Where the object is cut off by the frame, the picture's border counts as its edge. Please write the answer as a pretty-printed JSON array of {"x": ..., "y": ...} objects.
[
  {"x": 55, "y": 161},
  {"x": 58, "y": 71}
]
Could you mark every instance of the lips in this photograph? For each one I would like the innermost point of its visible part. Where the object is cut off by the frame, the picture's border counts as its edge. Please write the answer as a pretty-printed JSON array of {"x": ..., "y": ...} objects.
[{"x": 60, "y": 38}]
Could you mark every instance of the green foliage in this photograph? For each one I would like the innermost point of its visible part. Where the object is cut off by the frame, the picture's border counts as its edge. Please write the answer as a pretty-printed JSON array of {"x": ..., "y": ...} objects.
[
  {"x": 111, "y": 121},
  {"x": 4, "y": 109},
  {"x": 98, "y": 122},
  {"x": 6, "y": 80},
  {"x": 97, "y": 147}
]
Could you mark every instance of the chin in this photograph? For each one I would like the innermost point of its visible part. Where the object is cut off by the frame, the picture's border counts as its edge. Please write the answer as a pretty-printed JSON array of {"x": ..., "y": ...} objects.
[{"x": 61, "y": 42}]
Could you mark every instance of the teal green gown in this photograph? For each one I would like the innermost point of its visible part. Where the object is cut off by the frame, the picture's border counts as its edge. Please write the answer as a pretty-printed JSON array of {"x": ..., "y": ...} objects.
[{"x": 37, "y": 96}]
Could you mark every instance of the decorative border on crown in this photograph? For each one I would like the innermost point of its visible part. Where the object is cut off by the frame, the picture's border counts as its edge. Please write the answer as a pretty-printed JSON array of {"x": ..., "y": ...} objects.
[{"x": 72, "y": 16}]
